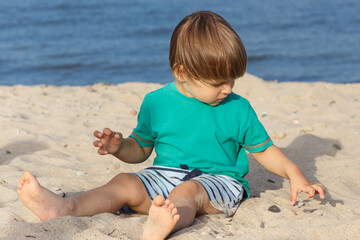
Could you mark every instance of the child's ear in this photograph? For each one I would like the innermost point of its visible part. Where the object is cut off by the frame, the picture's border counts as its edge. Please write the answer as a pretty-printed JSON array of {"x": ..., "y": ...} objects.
[{"x": 179, "y": 72}]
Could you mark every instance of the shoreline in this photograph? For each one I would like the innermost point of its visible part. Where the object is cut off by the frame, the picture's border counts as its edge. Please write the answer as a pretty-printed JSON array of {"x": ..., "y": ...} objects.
[{"x": 246, "y": 76}]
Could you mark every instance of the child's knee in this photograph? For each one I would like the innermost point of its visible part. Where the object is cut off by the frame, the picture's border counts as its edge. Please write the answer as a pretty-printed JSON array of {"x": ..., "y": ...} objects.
[
  {"x": 121, "y": 178},
  {"x": 126, "y": 181},
  {"x": 127, "y": 184},
  {"x": 189, "y": 189}
]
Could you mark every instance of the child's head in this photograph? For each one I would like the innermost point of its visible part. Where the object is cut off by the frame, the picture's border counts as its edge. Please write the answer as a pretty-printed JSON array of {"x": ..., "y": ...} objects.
[{"x": 205, "y": 47}]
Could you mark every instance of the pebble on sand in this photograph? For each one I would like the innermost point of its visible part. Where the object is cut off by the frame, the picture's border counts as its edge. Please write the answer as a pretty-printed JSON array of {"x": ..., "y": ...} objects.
[
  {"x": 274, "y": 209},
  {"x": 309, "y": 210}
]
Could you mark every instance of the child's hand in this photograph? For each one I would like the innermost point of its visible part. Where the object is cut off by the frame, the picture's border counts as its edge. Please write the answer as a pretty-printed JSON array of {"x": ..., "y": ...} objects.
[
  {"x": 311, "y": 189},
  {"x": 109, "y": 141}
]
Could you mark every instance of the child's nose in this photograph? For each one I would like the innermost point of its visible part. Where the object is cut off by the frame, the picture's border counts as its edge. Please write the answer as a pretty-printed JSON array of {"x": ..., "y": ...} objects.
[{"x": 227, "y": 88}]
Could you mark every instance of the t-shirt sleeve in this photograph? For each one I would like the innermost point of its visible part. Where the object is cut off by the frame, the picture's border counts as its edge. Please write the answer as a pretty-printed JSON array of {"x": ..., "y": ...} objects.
[
  {"x": 143, "y": 133},
  {"x": 255, "y": 138}
]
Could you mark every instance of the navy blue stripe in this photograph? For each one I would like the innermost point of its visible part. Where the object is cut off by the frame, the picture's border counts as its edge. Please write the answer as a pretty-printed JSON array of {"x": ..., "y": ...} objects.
[
  {"x": 165, "y": 178},
  {"x": 144, "y": 185},
  {"x": 213, "y": 195},
  {"x": 236, "y": 184},
  {"x": 233, "y": 182},
  {"x": 164, "y": 182},
  {"x": 148, "y": 183},
  {"x": 152, "y": 183},
  {"x": 222, "y": 198},
  {"x": 223, "y": 185},
  {"x": 156, "y": 183},
  {"x": 170, "y": 170},
  {"x": 201, "y": 181},
  {"x": 179, "y": 179}
]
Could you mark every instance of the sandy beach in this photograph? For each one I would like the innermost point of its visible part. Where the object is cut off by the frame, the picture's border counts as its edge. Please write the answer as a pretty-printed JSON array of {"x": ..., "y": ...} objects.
[{"x": 49, "y": 131}]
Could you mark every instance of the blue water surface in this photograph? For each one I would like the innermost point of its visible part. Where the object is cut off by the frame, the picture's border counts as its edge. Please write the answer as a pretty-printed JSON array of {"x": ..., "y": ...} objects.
[{"x": 66, "y": 42}]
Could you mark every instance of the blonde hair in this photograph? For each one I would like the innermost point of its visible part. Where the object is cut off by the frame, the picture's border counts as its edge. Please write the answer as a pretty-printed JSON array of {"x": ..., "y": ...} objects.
[{"x": 206, "y": 48}]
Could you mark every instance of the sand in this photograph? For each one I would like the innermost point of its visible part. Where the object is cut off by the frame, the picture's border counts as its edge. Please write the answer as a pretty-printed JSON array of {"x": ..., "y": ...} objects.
[{"x": 49, "y": 131}]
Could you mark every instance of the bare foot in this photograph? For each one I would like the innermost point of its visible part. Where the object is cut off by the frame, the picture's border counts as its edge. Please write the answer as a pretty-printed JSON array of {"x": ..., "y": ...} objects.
[
  {"x": 162, "y": 219},
  {"x": 44, "y": 203}
]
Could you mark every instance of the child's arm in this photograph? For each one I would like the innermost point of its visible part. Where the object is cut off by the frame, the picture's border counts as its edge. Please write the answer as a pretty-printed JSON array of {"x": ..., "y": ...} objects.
[
  {"x": 125, "y": 149},
  {"x": 275, "y": 161}
]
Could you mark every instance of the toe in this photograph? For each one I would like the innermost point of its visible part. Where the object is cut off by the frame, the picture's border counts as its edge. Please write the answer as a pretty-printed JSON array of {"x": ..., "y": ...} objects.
[
  {"x": 174, "y": 211},
  {"x": 171, "y": 206},
  {"x": 158, "y": 200}
]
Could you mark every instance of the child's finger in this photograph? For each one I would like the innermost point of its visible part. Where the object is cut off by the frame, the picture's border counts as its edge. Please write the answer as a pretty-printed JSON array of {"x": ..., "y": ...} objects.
[
  {"x": 311, "y": 192},
  {"x": 320, "y": 189},
  {"x": 117, "y": 135},
  {"x": 107, "y": 131},
  {"x": 98, "y": 143},
  {"x": 293, "y": 196},
  {"x": 102, "y": 151},
  {"x": 98, "y": 134}
]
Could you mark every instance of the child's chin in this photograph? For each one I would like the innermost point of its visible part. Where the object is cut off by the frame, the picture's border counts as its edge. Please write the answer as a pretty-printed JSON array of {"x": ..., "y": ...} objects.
[{"x": 214, "y": 104}]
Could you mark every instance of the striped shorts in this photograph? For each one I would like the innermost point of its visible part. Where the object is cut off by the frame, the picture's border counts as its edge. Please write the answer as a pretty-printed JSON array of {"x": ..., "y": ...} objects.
[{"x": 225, "y": 193}]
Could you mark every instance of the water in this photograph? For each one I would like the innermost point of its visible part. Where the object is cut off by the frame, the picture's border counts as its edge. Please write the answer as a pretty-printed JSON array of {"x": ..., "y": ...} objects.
[{"x": 84, "y": 42}]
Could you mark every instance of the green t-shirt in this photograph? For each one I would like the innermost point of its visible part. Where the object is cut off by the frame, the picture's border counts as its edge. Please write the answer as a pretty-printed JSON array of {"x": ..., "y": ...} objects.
[{"x": 212, "y": 139}]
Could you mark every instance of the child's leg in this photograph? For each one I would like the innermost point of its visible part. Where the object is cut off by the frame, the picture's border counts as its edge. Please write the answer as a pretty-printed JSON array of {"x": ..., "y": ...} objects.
[
  {"x": 189, "y": 198},
  {"x": 124, "y": 189}
]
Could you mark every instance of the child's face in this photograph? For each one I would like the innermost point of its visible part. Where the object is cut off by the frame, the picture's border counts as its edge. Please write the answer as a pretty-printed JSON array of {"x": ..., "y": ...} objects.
[{"x": 209, "y": 93}]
